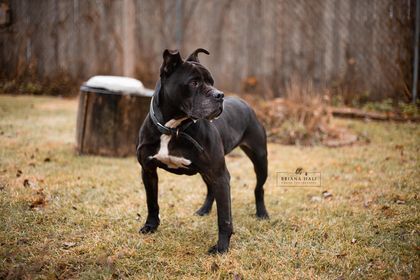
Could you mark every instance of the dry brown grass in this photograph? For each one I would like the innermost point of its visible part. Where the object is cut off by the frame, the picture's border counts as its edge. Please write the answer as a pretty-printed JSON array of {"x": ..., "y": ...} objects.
[
  {"x": 78, "y": 217},
  {"x": 301, "y": 117}
]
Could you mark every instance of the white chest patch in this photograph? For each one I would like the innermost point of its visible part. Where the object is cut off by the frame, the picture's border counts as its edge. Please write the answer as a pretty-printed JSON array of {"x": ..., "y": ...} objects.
[{"x": 163, "y": 153}]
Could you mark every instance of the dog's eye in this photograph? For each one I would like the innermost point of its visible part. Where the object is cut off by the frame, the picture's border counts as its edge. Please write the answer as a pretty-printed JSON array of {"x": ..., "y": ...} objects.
[{"x": 194, "y": 83}]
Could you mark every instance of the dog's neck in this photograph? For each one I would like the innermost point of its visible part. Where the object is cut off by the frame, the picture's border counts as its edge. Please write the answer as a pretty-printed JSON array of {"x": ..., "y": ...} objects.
[{"x": 165, "y": 110}]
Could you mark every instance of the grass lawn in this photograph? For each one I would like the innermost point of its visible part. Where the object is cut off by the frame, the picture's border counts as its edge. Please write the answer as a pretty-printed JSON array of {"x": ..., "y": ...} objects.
[{"x": 69, "y": 216}]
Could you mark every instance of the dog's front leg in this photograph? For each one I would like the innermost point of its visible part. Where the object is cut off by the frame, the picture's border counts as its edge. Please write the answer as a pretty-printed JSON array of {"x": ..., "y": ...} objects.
[
  {"x": 221, "y": 189},
  {"x": 150, "y": 181}
]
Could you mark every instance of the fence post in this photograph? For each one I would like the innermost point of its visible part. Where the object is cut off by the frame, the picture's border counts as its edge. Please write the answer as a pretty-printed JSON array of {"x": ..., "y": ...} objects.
[
  {"x": 178, "y": 24},
  {"x": 416, "y": 53},
  {"x": 128, "y": 37}
]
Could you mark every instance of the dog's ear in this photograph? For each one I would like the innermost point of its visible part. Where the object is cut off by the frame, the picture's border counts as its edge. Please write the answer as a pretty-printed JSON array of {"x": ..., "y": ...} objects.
[
  {"x": 194, "y": 55},
  {"x": 171, "y": 60}
]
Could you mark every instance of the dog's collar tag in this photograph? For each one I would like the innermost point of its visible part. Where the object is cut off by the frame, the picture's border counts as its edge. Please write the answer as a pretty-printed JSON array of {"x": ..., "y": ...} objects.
[{"x": 177, "y": 132}]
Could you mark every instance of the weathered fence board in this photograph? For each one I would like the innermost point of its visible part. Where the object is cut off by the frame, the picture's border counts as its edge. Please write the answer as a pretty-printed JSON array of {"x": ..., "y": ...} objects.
[{"x": 362, "y": 47}]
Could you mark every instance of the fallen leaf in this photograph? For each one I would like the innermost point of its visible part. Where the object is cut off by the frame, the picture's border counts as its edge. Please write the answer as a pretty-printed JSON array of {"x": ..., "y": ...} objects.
[
  {"x": 68, "y": 245},
  {"x": 26, "y": 183},
  {"x": 29, "y": 184},
  {"x": 341, "y": 255},
  {"x": 367, "y": 203},
  {"x": 326, "y": 194},
  {"x": 316, "y": 199},
  {"x": 387, "y": 211},
  {"x": 214, "y": 267},
  {"x": 40, "y": 200},
  {"x": 23, "y": 241}
]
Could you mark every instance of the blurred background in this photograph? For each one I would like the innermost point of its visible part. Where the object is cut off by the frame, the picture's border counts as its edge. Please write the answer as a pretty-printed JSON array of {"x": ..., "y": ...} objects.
[{"x": 356, "y": 51}]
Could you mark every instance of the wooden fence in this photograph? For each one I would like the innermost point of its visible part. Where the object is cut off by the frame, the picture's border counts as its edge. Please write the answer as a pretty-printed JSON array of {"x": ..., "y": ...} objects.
[{"x": 362, "y": 47}]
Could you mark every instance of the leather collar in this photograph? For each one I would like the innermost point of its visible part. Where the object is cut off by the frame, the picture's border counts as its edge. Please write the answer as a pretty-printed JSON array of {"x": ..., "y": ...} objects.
[{"x": 175, "y": 132}]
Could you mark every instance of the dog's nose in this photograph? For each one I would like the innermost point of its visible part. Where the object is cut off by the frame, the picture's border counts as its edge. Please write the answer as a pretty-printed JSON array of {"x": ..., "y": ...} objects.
[{"x": 218, "y": 95}]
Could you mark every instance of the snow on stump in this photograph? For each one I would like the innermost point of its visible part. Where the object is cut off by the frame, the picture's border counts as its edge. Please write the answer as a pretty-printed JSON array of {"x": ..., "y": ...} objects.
[{"x": 111, "y": 111}]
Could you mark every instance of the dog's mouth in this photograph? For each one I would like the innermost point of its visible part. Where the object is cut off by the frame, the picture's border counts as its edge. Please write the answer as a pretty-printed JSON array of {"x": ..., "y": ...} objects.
[{"x": 215, "y": 114}]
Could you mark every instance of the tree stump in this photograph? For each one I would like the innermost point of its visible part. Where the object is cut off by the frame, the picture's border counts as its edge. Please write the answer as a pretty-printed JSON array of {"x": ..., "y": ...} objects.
[{"x": 109, "y": 117}]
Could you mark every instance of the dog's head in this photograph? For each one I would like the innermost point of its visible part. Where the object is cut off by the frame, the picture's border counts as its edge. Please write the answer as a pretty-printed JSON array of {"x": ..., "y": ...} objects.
[{"x": 189, "y": 85}]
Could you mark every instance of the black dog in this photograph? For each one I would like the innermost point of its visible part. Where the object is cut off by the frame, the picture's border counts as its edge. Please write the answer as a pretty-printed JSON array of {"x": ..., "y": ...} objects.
[{"x": 186, "y": 132}]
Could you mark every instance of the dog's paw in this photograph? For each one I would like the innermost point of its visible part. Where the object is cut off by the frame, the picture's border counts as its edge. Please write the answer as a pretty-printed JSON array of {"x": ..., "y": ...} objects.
[
  {"x": 213, "y": 250},
  {"x": 263, "y": 215},
  {"x": 203, "y": 211},
  {"x": 148, "y": 228}
]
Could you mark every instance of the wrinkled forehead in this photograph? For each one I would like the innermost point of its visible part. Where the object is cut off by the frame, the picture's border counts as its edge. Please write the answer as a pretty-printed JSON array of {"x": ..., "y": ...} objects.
[{"x": 196, "y": 70}]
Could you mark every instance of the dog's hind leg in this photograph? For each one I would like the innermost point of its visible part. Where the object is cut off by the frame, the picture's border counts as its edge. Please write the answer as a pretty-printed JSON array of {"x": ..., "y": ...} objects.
[
  {"x": 254, "y": 145},
  {"x": 208, "y": 203}
]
